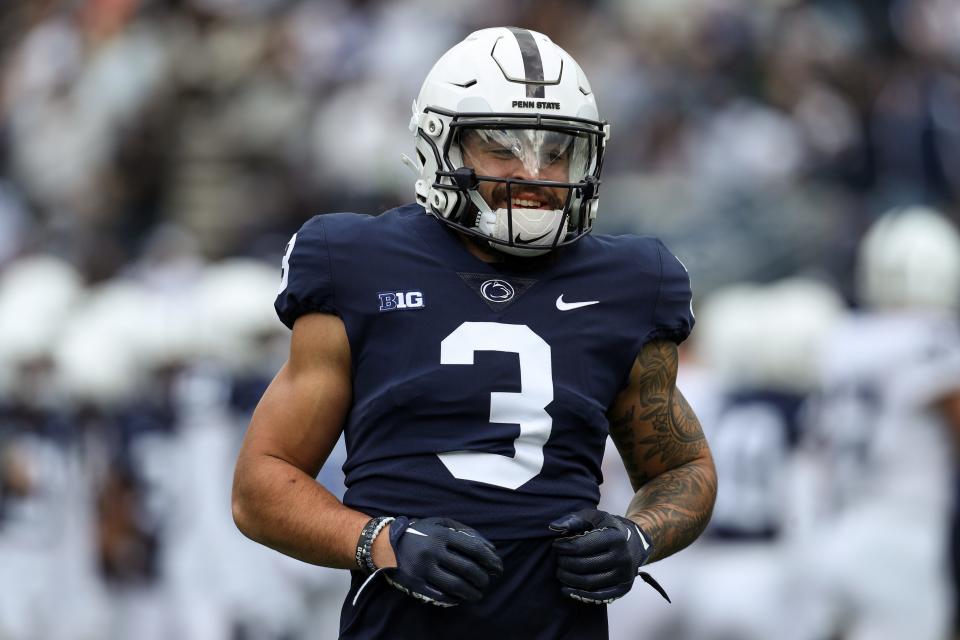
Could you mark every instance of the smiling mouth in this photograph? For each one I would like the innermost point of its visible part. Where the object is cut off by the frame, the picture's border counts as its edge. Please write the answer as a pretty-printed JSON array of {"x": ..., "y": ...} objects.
[
  {"x": 527, "y": 198},
  {"x": 528, "y": 202}
]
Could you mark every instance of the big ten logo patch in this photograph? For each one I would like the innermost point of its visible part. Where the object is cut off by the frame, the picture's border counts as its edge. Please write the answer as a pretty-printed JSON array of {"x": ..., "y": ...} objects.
[{"x": 400, "y": 300}]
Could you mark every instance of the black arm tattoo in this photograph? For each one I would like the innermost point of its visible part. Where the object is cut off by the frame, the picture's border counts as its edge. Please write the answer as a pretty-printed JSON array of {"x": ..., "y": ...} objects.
[{"x": 664, "y": 451}]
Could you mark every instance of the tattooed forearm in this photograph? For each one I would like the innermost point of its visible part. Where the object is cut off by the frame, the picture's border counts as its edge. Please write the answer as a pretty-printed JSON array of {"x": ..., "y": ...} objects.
[
  {"x": 651, "y": 422},
  {"x": 674, "y": 507},
  {"x": 664, "y": 451}
]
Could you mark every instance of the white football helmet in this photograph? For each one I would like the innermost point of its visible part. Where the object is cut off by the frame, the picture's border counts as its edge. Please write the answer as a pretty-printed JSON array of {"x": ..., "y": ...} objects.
[
  {"x": 797, "y": 315},
  {"x": 237, "y": 321},
  {"x": 910, "y": 259},
  {"x": 767, "y": 336},
  {"x": 727, "y": 322},
  {"x": 37, "y": 296},
  {"x": 521, "y": 98}
]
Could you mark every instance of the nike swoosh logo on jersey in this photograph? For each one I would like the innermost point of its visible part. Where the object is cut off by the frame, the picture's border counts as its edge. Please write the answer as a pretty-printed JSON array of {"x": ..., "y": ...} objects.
[
  {"x": 418, "y": 533},
  {"x": 519, "y": 240},
  {"x": 569, "y": 306}
]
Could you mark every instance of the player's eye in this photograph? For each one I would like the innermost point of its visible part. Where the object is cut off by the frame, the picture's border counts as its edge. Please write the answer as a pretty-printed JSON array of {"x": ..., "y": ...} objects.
[
  {"x": 556, "y": 154},
  {"x": 501, "y": 154}
]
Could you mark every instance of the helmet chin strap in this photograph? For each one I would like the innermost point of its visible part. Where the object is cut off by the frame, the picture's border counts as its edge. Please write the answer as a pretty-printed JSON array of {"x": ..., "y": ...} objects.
[{"x": 479, "y": 202}]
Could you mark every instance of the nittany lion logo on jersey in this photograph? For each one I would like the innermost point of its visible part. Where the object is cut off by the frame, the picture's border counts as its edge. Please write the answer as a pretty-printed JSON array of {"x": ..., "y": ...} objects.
[{"x": 497, "y": 290}]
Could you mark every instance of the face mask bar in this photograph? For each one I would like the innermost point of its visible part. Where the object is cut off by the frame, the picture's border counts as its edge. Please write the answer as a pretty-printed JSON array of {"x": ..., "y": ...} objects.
[{"x": 465, "y": 179}]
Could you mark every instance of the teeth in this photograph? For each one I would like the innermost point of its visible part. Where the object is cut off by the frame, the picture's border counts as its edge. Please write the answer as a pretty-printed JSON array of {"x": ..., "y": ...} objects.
[{"x": 531, "y": 204}]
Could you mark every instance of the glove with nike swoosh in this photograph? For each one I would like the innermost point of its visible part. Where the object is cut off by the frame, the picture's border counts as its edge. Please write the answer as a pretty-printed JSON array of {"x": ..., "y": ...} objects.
[
  {"x": 441, "y": 561},
  {"x": 599, "y": 555}
]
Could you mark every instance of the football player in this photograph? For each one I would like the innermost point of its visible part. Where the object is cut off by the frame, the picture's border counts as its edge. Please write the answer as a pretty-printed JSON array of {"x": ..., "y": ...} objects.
[
  {"x": 889, "y": 415},
  {"x": 476, "y": 347},
  {"x": 762, "y": 343}
]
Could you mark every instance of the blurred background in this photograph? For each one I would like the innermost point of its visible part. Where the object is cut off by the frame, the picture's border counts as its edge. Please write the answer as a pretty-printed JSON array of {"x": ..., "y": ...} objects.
[{"x": 156, "y": 155}]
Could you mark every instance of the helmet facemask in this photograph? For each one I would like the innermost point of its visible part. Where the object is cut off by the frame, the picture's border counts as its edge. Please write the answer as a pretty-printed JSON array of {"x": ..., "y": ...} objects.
[{"x": 525, "y": 185}]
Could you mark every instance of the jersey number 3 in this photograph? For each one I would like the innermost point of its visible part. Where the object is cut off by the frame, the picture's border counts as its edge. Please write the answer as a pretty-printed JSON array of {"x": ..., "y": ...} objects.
[{"x": 526, "y": 408}]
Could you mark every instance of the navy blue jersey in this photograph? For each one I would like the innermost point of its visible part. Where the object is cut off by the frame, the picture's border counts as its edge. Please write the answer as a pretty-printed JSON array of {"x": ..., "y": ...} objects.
[
  {"x": 480, "y": 390},
  {"x": 751, "y": 442}
]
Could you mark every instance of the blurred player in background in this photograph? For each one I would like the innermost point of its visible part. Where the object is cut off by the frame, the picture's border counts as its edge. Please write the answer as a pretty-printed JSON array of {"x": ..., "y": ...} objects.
[
  {"x": 762, "y": 343},
  {"x": 124, "y": 403},
  {"x": 45, "y": 521},
  {"x": 885, "y": 429},
  {"x": 750, "y": 369},
  {"x": 429, "y": 333}
]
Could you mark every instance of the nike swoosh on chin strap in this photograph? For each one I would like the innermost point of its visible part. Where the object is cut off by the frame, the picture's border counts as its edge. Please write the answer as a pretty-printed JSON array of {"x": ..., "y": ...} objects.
[
  {"x": 569, "y": 306},
  {"x": 519, "y": 240}
]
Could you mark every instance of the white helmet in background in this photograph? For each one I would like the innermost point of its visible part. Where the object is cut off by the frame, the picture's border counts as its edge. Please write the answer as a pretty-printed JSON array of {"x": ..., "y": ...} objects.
[
  {"x": 99, "y": 357},
  {"x": 910, "y": 259},
  {"x": 798, "y": 315},
  {"x": 518, "y": 91},
  {"x": 37, "y": 294},
  {"x": 727, "y": 325},
  {"x": 767, "y": 336},
  {"x": 93, "y": 366},
  {"x": 237, "y": 318}
]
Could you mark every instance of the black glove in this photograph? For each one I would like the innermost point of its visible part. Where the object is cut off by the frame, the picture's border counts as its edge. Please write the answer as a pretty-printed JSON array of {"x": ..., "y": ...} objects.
[
  {"x": 599, "y": 555},
  {"x": 441, "y": 561}
]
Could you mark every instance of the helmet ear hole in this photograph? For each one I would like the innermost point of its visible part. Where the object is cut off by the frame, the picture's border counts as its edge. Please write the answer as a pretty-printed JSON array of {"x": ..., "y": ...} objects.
[
  {"x": 433, "y": 126},
  {"x": 440, "y": 202},
  {"x": 422, "y": 190}
]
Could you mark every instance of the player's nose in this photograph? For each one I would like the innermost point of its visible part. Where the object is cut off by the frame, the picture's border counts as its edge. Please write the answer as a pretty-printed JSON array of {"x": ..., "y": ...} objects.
[{"x": 520, "y": 171}]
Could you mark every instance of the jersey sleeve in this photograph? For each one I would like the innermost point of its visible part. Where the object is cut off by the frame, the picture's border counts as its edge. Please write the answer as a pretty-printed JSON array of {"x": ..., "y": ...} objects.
[
  {"x": 673, "y": 310},
  {"x": 306, "y": 284}
]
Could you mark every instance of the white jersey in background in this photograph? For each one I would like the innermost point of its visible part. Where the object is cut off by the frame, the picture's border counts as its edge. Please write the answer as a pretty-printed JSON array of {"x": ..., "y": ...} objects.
[
  {"x": 881, "y": 567},
  {"x": 887, "y": 445},
  {"x": 46, "y": 537}
]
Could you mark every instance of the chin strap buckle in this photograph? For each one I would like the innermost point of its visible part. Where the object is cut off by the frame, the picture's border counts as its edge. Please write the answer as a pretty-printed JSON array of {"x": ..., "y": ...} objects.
[
  {"x": 589, "y": 189},
  {"x": 465, "y": 178}
]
